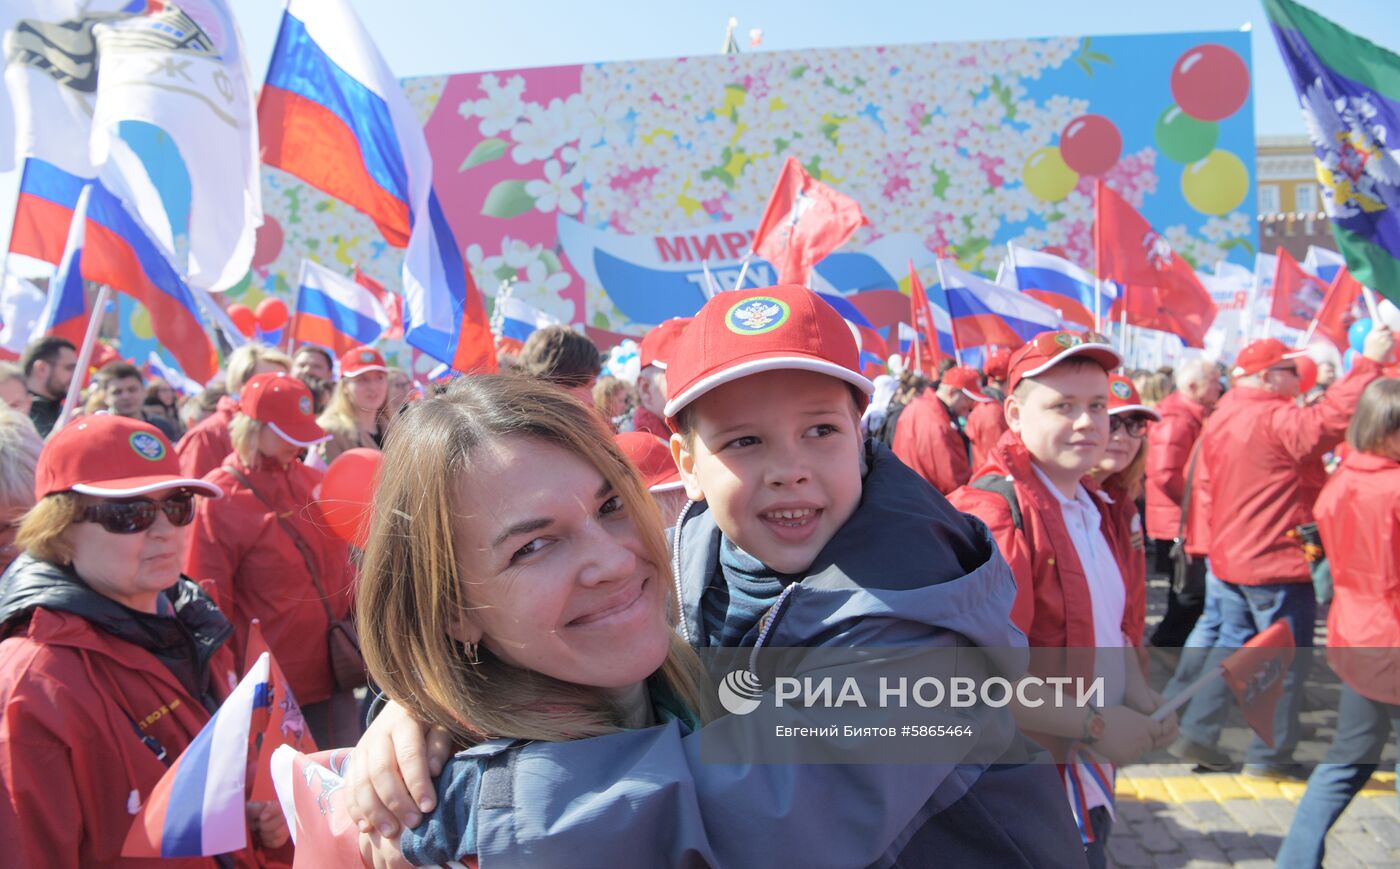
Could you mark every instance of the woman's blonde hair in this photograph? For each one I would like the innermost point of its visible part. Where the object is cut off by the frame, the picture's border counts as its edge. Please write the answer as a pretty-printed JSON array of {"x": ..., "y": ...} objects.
[
  {"x": 41, "y": 532},
  {"x": 243, "y": 434},
  {"x": 244, "y": 361},
  {"x": 411, "y": 589},
  {"x": 339, "y": 416},
  {"x": 1377, "y": 417},
  {"x": 1129, "y": 481}
]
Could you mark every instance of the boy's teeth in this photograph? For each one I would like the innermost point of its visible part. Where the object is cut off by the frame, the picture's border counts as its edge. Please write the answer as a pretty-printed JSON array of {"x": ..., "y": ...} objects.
[{"x": 790, "y": 514}]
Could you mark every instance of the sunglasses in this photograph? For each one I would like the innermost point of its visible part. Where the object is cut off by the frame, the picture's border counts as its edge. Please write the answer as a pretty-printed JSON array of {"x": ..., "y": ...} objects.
[
  {"x": 1135, "y": 426},
  {"x": 137, "y": 514}
]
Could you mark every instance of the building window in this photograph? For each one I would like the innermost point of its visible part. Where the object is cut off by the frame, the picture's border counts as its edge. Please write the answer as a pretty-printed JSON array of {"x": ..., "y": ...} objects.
[
  {"x": 1268, "y": 199},
  {"x": 1306, "y": 197}
]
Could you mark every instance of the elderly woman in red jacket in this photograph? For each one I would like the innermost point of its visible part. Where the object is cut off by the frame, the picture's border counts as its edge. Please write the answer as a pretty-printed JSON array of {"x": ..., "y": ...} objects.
[
  {"x": 1358, "y": 515},
  {"x": 267, "y": 550},
  {"x": 110, "y": 661}
]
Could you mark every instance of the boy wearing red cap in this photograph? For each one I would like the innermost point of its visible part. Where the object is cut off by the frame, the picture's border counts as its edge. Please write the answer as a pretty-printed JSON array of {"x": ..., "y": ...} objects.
[
  {"x": 1073, "y": 588},
  {"x": 651, "y": 382},
  {"x": 1260, "y": 458},
  {"x": 929, "y": 437},
  {"x": 986, "y": 422}
]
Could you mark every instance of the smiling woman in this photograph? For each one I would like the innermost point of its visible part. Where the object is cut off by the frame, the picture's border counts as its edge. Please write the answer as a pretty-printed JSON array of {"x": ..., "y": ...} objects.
[{"x": 516, "y": 581}]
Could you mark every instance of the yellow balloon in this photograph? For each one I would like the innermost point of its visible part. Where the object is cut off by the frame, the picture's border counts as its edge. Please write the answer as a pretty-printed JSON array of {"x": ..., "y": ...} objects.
[
  {"x": 1047, "y": 177},
  {"x": 141, "y": 323},
  {"x": 1216, "y": 184}
]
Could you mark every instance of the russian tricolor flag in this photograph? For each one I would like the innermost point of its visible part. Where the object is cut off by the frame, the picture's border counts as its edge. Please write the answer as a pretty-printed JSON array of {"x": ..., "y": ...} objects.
[
  {"x": 118, "y": 252},
  {"x": 519, "y": 321},
  {"x": 335, "y": 312},
  {"x": 44, "y": 210},
  {"x": 65, "y": 311},
  {"x": 1060, "y": 284},
  {"x": 984, "y": 312},
  {"x": 198, "y": 807},
  {"x": 333, "y": 114}
]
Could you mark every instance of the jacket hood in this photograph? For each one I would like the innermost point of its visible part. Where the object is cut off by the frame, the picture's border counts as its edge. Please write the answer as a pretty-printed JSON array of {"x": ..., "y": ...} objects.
[
  {"x": 905, "y": 554},
  {"x": 183, "y": 642}
]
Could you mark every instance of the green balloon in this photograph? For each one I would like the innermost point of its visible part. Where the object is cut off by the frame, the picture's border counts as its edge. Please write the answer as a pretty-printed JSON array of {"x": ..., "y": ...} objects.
[
  {"x": 242, "y": 286},
  {"x": 1183, "y": 138}
]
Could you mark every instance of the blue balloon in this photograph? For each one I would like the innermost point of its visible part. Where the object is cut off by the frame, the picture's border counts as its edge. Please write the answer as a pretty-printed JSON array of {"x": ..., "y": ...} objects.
[
  {"x": 1349, "y": 358},
  {"x": 1356, "y": 335}
]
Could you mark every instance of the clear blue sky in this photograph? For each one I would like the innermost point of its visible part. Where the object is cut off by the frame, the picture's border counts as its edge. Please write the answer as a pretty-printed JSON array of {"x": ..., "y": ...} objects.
[{"x": 429, "y": 37}]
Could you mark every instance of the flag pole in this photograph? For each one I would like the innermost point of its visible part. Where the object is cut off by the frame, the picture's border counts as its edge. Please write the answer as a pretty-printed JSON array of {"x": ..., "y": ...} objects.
[
  {"x": 1371, "y": 305},
  {"x": 711, "y": 288},
  {"x": 743, "y": 270},
  {"x": 952, "y": 323},
  {"x": 94, "y": 326}
]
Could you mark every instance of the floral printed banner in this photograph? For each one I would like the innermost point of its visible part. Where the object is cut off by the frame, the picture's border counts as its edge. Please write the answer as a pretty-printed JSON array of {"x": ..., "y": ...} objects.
[{"x": 599, "y": 190}]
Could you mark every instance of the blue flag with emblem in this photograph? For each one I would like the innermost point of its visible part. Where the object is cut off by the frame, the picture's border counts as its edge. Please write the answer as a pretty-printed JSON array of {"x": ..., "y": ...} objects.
[{"x": 1349, "y": 88}]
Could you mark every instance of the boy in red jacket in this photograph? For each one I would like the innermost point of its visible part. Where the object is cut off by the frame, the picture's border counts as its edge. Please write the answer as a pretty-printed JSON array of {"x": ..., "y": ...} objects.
[{"x": 1055, "y": 531}]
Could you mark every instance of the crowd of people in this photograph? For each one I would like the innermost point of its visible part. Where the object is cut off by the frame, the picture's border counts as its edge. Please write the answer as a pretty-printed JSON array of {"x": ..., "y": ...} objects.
[{"x": 549, "y": 551}]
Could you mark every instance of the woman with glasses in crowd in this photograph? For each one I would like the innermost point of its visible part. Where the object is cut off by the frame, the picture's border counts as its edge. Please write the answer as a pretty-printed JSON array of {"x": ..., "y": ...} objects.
[
  {"x": 111, "y": 661},
  {"x": 1120, "y": 475}
]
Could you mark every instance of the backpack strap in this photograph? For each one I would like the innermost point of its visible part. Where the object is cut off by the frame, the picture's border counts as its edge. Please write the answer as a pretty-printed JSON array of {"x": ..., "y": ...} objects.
[{"x": 1004, "y": 487}]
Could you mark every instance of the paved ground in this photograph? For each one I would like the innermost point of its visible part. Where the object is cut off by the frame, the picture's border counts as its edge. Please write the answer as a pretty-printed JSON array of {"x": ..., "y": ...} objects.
[{"x": 1171, "y": 817}]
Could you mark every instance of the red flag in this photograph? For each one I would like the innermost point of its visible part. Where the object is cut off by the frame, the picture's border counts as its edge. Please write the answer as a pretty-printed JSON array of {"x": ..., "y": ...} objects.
[
  {"x": 392, "y": 302},
  {"x": 924, "y": 350},
  {"x": 1340, "y": 308},
  {"x": 1297, "y": 294},
  {"x": 277, "y": 718},
  {"x": 1159, "y": 288},
  {"x": 476, "y": 346},
  {"x": 1255, "y": 673},
  {"x": 805, "y": 220}
]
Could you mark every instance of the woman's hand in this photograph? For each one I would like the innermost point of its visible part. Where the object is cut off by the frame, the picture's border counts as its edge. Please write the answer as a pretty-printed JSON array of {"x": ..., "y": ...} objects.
[
  {"x": 391, "y": 771},
  {"x": 381, "y": 852},
  {"x": 267, "y": 823}
]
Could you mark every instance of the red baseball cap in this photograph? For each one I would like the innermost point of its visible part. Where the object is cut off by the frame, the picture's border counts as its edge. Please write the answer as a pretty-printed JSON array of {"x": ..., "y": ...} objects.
[
  {"x": 1123, "y": 398},
  {"x": 362, "y": 360},
  {"x": 1049, "y": 349},
  {"x": 112, "y": 457},
  {"x": 284, "y": 404},
  {"x": 966, "y": 379},
  {"x": 658, "y": 343},
  {"x": 651, "y": 456},
  {"x": 743, "y": 332},
  {"x": 998, "y": 363},
  {"x": 1262, "y": 355}
]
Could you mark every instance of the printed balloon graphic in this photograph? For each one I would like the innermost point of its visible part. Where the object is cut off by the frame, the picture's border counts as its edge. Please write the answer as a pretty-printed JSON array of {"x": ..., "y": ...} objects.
[
  {"x": 1183, "y": 138},
  {"x": 1210, "y": 82},
  {"x": 141, "y": 323},
  {"x": 1090, "y": 144},
  {"x": 1047, "y": 177},
  {"x": 1216, "y": 185}
]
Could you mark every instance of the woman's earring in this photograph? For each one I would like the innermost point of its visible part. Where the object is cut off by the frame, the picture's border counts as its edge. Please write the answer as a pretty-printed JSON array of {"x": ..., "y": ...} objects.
[{"x": 473, "y": 657}]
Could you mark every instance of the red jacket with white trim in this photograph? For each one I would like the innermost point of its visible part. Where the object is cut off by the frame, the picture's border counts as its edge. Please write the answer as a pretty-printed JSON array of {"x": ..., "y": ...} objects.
[
  {"x": 259, "y": 573},
  {"x": 926, "y": 438},
  {"x": 1262, "y": 456},
  {"x": 1169, "y": 444}
]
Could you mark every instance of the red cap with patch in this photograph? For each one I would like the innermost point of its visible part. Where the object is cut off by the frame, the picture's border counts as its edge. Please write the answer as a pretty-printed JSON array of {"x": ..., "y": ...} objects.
[
  {"x": 1049, "y": 349},
  {"x": 998, "y": 364},
  {"x": 966, "y": 379},
  {"x": 651, "y": 456},
  {"x": 111, "y": 457},
  {"x": 1262, "y": 355},
  {"x": 658, "y": 343},
  {"x": 361, "y": 360},
  {"x": 743, "y": 332},
  {"x": 1123, "y": 398},
  {"x": 283, "y": 403}
]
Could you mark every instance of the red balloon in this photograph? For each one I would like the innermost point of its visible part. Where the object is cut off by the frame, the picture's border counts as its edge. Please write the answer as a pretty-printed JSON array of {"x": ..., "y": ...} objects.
[
  {"x": 267, "y": 243},
  {"x": 1055, "y": 250},
  {"x": 1210, "y": 82},
  {"x": 272, "y": 314},
  {"x": 347, "y": 492},
  {"x": 1090, "y": 144},
  {"x": 244, "y": 319}
]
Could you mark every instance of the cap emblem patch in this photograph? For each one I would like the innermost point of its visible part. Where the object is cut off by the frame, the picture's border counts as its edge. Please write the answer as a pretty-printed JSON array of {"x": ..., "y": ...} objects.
[
  {"x": 1120, "y": 390},
  {"x": 147, "y": 446},
  {"x": 757, "y": 315}
]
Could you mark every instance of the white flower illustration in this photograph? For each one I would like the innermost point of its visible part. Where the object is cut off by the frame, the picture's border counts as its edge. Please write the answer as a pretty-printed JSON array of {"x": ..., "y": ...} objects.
[{"x": 556, "y": 191}]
